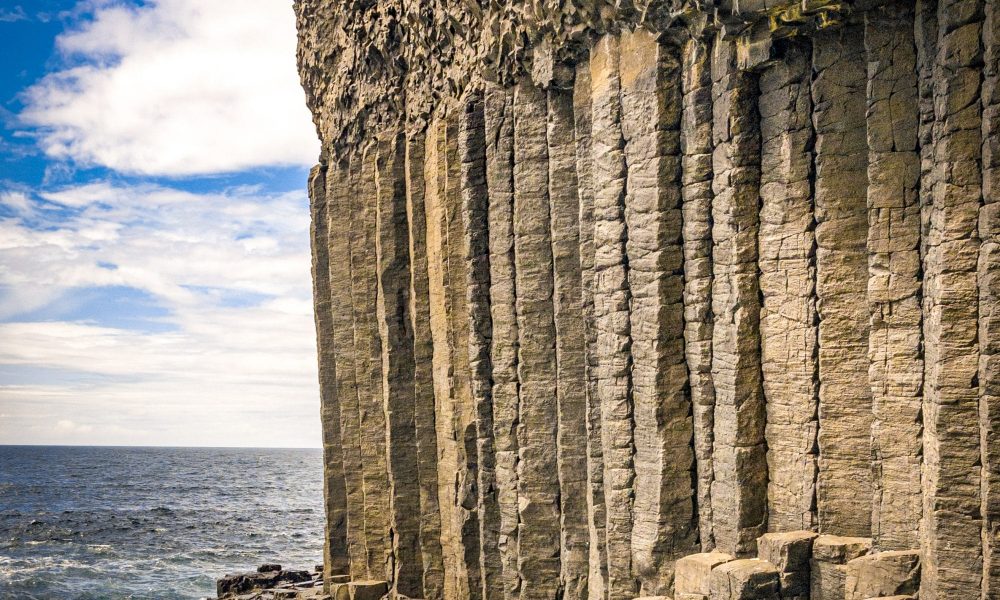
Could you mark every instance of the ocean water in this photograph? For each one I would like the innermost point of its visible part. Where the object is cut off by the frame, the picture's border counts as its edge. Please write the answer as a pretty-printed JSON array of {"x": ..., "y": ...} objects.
[{"x": 79, "y": 522}]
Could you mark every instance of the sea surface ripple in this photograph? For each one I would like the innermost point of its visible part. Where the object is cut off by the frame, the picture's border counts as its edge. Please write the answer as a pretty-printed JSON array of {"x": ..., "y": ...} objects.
[{"x": 89, "y": 522}]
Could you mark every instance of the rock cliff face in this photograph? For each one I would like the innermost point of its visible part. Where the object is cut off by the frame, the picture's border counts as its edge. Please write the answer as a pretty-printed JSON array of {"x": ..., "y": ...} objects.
[{"x": 603, "y": 285}]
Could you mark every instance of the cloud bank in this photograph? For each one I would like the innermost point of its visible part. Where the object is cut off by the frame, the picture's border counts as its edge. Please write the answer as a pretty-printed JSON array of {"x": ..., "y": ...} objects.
[
  {"x": 176, "y": 87},
  {"x": 220, "y": 349}
]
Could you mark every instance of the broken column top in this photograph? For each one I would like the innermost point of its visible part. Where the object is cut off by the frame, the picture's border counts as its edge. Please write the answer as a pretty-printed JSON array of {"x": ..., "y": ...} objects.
[
  {"x": 839, "y": 549},
  {"x": 366, "y": 67}
]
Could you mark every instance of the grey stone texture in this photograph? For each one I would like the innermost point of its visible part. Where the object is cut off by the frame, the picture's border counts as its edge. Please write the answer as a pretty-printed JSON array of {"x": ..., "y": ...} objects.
[
  {"x": 894, "y": 292},
  {"x": 571, "y": 396},
  {"x": 612, "y": 298},
  {"x": 693, "y": 573},
  {"x": 889, "y": 573},
  {"x": 790, "y": 552},
  {"x": 423, "y": 377},
  {"x": 335, "y": 557},
  {"x": 739, "y": 485},
  {"x": 744, "y": 579},
  {"x": 845, "y": 403},
  {"x": 696, "y": 192},
  {"x": 663, "y": 528},
  {"x": 600, "y": 285},
  {"x": 499, "y": 122},
  {"x": 368, "y": 365},
  {"x": 787, "y": 264},
  {"x": 339, "y": 181},
  {"x": 392, "y": 254},
  {"x": 828, "y": 570},
  {"x": 952, "y": 477},
  {"x": 989, "y": 294},
  {"x": 538, "y": 484},
  {"x": 476, "y": 261}
]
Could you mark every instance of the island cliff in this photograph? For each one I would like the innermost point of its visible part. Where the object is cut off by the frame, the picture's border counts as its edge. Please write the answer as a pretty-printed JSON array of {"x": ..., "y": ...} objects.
[{"x": 612, "y": 297}]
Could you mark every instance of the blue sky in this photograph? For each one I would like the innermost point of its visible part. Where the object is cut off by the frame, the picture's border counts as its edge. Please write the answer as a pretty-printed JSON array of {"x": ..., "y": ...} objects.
[{"x": 154, "y": 251}]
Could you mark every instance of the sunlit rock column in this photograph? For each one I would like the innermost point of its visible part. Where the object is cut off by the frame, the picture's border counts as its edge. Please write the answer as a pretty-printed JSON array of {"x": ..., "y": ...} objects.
[
  {"x": 989, "y": 303},
  {"x": 392, "y": 253},
  {"x": 696, "y": 146},
  {"x": 840, "y": 189},
  {"x": 895, "y": 339},
  {"x": 787, "y": 283},
  {"x": 571, "y": 390},
  {"x": 613, "y": 361},
  {"x": 739, "y": 487},
  {"x": 663, "y": 528},
  {"x": 537, "y": 481},
  {"x": 952, "y": 520},
  {"x": 423, "y": 376},
  {"x": 335, "y": 558},
  {"x": 499, "y": 123}
]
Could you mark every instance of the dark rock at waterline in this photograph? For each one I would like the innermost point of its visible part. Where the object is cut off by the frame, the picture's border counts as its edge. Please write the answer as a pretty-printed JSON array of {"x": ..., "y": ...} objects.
[{"x": 267, "y": 576}]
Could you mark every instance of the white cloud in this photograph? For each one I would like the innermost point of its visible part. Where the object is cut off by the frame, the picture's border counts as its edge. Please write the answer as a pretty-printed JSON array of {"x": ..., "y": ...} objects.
[
  {"x": 234, "y": 363},
  {"x": 66, "y": 426},
  {"x": 12, "y": 15},
  {"x": 177, "y": 87}
]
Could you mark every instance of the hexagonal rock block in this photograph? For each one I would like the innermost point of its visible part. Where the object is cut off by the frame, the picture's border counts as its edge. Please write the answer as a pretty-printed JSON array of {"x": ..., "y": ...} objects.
[
  {"x": 692, "y": 573},
  {"x": 883, "y": 574},
  {"x": 359, "y": 590},
  {"x": 745, "y": 579},
  {"x": 839, "y": 549},
  {"x": 339, "y": 578},
  {"x": 827, "y": 573},
  {"x": 791, "y": 552}
]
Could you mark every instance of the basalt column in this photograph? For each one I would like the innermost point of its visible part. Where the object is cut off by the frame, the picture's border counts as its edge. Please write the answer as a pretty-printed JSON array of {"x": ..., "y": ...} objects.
[
  {"x": 537, "y": 481},
  {"x": 596, "y": 515},
  {"x": 739, "y": 486},
  {"x": 449, "y": 331},
  {"x": 335, "y": 557},
  {"x": 499, "y": 120},
  {"x": 952, "y": 520},
  {"x": 602, "y": 288},
  {"x": 392, "y": 253},
  {"x": 787, "y": 283},
  {"x": 841, "y": 163},
  {"x": 895, "y": 339},
  {"x": 339, "y": 181},
  {"x": 613, "y": 360},
  {"x": 989, "y": 295},
  {"x": 663, "y": 527},
  {"x": 476, "y": 263},
  {"x": 368, "y": 365},
  {"x": 423, "y": 376},
  {"x": 571, "y": 392},
  {"x": 696, "y": 145}
]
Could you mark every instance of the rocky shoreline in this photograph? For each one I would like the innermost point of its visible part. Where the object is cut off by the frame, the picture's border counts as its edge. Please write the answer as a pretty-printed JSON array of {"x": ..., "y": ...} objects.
[{"x": 272, "y": 582}]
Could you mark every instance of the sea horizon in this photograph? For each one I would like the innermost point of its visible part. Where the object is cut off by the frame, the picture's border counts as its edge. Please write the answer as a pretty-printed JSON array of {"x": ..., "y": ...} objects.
[{"x": 152, "y": 521}]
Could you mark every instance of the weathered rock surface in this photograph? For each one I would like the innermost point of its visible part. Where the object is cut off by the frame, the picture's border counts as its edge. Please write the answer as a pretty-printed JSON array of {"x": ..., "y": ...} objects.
[
  {"x": 887, "y": 573},
  {"x": 828, "y": 573},
  {"x": 694, "y": 572},
  {"x": 601, "y": 284},
  {"x": 745, "y": 579},
  {"x": 268, "y": 579},
  {"x": 791, "y": 553}
]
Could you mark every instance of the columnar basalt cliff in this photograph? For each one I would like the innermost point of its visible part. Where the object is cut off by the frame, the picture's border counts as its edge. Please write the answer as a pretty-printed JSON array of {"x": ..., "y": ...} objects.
[{"x": 689, "y": 298}]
